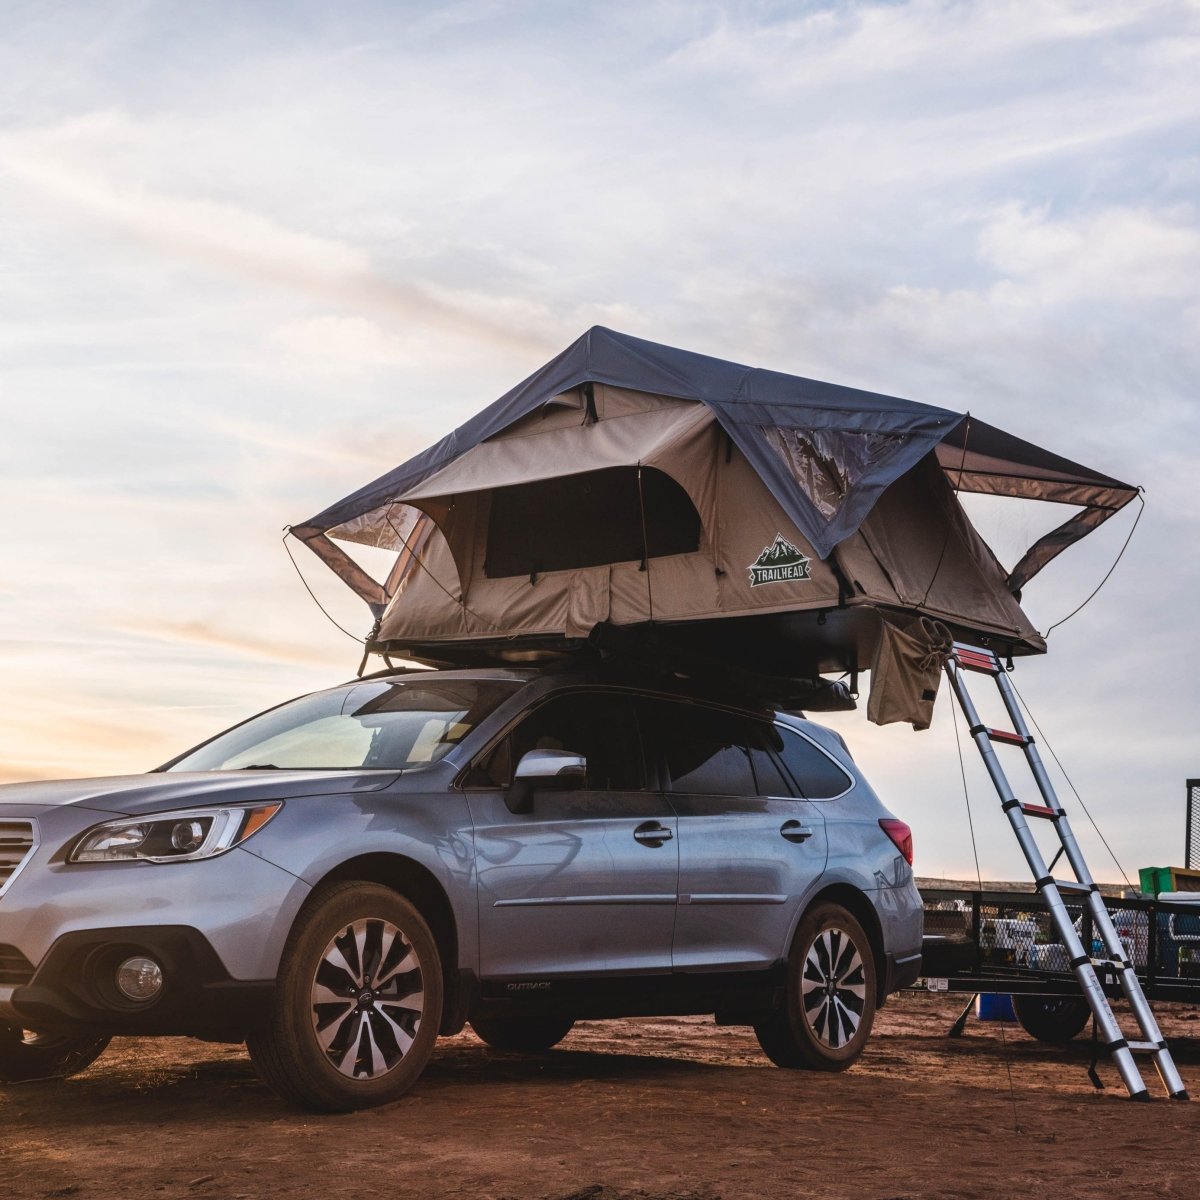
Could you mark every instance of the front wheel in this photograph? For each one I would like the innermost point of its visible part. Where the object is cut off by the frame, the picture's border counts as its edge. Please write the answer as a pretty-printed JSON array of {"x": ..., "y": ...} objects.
[
  {"x": 1052, "y": 1019},
  {"x": 357, "y": 1005},
  {"x": 826, "y": 1016},
  {"x": 26, "y": 1055}
]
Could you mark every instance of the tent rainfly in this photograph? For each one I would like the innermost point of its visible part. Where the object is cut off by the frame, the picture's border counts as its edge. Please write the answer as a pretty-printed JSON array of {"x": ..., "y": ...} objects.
[{"x": 773, "y": 521}]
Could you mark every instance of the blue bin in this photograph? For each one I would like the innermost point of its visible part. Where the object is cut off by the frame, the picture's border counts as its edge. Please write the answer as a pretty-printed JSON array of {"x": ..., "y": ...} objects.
[{"x": 994, "y": 1007}]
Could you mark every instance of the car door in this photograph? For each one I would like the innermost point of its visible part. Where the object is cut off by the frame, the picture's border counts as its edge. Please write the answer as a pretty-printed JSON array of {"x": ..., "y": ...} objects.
[
  {"x": 586, "y": 882},
  {"x": 749, "y": 849}
]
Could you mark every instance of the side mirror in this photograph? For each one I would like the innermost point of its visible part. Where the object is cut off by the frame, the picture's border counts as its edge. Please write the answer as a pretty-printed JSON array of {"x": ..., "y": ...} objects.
[{"x": 549, "y": 770}]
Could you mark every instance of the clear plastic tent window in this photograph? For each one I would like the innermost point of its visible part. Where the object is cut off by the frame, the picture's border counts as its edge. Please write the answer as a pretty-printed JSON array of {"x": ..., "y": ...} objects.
[{"x": 827, "y": 463}]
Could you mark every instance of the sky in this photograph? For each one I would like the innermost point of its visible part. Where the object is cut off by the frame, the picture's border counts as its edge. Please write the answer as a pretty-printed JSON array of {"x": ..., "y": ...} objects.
[{"x": 252, "y": 256}]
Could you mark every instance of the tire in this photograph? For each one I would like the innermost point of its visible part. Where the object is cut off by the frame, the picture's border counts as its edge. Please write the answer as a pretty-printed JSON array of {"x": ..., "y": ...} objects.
[
  {"x": 1052, "y": 1019},
  {"x": 829, "y": 1005},
  {"x": 522, "y": 1035},
  {"x": 26, "y": 1055},
  {"x": 349, "y": 1029}
]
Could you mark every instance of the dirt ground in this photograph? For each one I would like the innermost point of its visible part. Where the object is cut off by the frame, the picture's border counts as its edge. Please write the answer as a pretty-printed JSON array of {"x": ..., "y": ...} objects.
[{"x": 634, "y": 1110}]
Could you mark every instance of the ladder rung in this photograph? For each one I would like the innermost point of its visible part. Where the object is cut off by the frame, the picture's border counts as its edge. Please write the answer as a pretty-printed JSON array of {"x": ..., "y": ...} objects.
[
  {"x": 1009, "y": 736},
  {"x": 1146, "y": 1047},
  {"x": 1064, "y": 885},
  {"x": 1040, "y": 810},
  {"x": 973, "y": 660}
]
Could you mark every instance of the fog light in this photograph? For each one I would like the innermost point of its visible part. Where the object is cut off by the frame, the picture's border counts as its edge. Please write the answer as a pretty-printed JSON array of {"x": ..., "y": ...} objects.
[{"x": 139, "y": 978}]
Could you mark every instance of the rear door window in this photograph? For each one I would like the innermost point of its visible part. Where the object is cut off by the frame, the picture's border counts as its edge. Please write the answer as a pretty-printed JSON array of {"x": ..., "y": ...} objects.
[
  {"x": 815, "y": 774},
  {"x": 767, "y": 774},
  {"x": 704, "y": 752}
]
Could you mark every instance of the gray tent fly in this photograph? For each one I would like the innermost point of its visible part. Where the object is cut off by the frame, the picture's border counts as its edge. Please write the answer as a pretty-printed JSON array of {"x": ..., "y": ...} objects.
[{"x": 637, "y": 499}]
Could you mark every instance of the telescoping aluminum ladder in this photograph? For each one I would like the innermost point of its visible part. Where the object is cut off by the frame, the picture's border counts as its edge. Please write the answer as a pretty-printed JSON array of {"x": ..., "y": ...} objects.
[{"x": 1085, "y": 966}]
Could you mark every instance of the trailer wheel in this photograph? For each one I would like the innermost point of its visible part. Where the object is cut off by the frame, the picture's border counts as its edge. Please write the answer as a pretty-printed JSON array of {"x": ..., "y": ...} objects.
[
  {"x": 522, "y": 1035},
  {"x": 1052, "y": 1019}
]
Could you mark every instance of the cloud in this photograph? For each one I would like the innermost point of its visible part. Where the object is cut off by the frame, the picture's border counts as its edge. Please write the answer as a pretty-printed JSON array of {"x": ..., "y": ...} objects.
[
  {"x": 250, "y": 269},
  {"x": 200, "y": 633},
  {"x": 226, "y": 238},
  {"x": 1123, "y": 253},
  {"x": 342, "y": 342},
  {"x": 843, "y": 45}
]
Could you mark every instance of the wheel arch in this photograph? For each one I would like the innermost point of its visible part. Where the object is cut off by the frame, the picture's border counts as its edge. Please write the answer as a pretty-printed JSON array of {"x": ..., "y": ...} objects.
[
  {"x": 419, "y": 885},
  {"x": 858, "y": 904}
]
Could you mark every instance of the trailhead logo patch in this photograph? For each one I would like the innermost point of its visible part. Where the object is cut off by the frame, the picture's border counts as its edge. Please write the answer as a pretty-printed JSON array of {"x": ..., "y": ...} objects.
[{"x": 779, "y": 563}]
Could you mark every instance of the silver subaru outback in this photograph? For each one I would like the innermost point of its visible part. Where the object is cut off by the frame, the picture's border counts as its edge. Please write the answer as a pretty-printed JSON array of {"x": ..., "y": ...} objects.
[{"x": 345, "y": 877}]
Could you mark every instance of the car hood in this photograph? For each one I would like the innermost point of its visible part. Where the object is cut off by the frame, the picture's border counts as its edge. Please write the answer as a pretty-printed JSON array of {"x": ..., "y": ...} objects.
[{"x": 162, "y": 791}]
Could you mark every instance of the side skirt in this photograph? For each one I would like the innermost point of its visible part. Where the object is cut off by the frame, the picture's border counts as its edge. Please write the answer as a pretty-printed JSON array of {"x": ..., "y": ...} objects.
[{"x": 740, "y": 998}]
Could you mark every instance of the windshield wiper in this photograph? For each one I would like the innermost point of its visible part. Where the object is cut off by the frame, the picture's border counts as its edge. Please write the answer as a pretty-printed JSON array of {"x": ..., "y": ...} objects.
[{"x": 260, "y": 767}]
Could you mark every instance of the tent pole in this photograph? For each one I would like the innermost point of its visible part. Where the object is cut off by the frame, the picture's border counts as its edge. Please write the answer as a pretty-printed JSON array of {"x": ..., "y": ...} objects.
[{"x": 645, "y": 544}]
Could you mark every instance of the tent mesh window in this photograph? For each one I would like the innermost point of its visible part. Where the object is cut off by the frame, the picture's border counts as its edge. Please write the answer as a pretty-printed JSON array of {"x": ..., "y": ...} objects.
[{"x": 588, "y": 520}]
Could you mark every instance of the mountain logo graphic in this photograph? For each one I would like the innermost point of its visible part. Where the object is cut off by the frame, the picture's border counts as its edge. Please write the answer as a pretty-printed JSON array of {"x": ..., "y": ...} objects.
[{"x": 779, "y": 563}]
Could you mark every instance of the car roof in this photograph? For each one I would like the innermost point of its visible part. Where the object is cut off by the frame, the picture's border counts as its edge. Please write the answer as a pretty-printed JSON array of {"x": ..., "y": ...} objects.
[
  {"x": 666, "y": 684},
  {"x": 513, "y": 674}
]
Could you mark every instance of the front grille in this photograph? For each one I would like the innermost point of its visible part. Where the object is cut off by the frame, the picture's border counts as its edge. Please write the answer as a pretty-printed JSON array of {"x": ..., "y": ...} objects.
[
  {"x": 14, "y": 966},
  {"x": 18, "y": 841}
]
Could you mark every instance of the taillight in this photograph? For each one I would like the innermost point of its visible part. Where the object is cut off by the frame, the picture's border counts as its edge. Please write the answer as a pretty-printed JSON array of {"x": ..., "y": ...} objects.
[{"x": 901, "y": 836}]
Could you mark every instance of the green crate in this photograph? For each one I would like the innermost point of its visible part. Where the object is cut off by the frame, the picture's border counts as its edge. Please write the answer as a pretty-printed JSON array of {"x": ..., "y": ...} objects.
[
  {"x": 1153, "y": 880},
  {"x": 1168, "y": 879}
]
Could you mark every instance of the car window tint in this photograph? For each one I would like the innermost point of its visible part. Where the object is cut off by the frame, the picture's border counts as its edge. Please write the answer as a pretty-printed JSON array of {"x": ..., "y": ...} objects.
[
  {"x": 767, "y": 774},
  {"x": 600, "y": 726},
  {"x": 704, "y": 768},
  {"x": 379, "y": 724},
  {"x": 816, "y": 775},
  {"x": 765, "y": 746},
  {"x": 493, "y": 769},
  {"x": 704, "y": 752}
]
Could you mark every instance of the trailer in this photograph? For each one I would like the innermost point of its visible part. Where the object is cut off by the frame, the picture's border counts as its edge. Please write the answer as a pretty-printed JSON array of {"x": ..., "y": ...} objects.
[{"x": 979, "y": 941}]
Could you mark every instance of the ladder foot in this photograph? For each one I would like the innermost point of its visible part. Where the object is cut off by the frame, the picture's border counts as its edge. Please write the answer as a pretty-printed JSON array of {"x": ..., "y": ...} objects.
[
  {"x": 1142, "y": 1097},
  {"x": 1180, "y": 1095}
]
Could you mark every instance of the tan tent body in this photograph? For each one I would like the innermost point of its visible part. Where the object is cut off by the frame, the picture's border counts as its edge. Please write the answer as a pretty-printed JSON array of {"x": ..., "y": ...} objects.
[{"x": 755, "y": 526}]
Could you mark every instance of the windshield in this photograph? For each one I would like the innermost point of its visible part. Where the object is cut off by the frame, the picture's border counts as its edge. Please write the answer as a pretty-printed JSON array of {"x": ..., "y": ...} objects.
[{"x": 381, "y": 725}]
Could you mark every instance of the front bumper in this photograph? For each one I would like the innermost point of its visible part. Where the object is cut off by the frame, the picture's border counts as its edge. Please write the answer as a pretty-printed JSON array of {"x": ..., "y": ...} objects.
[
  {"x": 217, "y": 926},
  {"x": 73, "y": 987}
]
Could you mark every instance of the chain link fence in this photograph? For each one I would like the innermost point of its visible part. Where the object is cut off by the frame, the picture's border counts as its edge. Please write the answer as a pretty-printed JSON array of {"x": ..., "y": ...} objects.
[
  {"x": 1192, "y": 850},
  {"x": 998, "y": 935}
]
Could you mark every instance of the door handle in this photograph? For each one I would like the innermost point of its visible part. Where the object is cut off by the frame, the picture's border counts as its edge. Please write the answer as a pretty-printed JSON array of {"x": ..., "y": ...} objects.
[
  {"x": 793, "y": 831},
  {"x": 651, "y": 833}
]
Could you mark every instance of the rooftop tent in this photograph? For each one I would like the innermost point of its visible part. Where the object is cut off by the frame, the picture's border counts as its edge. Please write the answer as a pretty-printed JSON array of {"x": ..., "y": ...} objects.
[{"x": 744, "y": 512}]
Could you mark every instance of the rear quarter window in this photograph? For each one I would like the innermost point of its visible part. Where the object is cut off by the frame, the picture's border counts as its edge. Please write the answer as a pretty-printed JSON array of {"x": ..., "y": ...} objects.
[{"x": 815, "y": 774}]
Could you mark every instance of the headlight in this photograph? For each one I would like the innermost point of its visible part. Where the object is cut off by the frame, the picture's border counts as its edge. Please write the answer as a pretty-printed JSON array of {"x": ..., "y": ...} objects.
[{"x": 172, "y": 837}]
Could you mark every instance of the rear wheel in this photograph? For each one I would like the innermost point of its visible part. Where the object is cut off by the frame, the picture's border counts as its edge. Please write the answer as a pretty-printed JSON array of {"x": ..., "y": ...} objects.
[
  {"x": 1052, "y": 1019},
  {"x": 358, "y": 1002},
  {"x": 26, "y": 1055},
  {"x": 826, "y": 1017},
  {"x": 523, "y": 1035}
]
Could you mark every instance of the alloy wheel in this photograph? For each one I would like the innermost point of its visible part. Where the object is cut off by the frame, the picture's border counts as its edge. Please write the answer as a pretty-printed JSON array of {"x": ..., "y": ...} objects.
[
  {"x": 833, "y": 988},
  {"x": 367, "y": 999}
]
